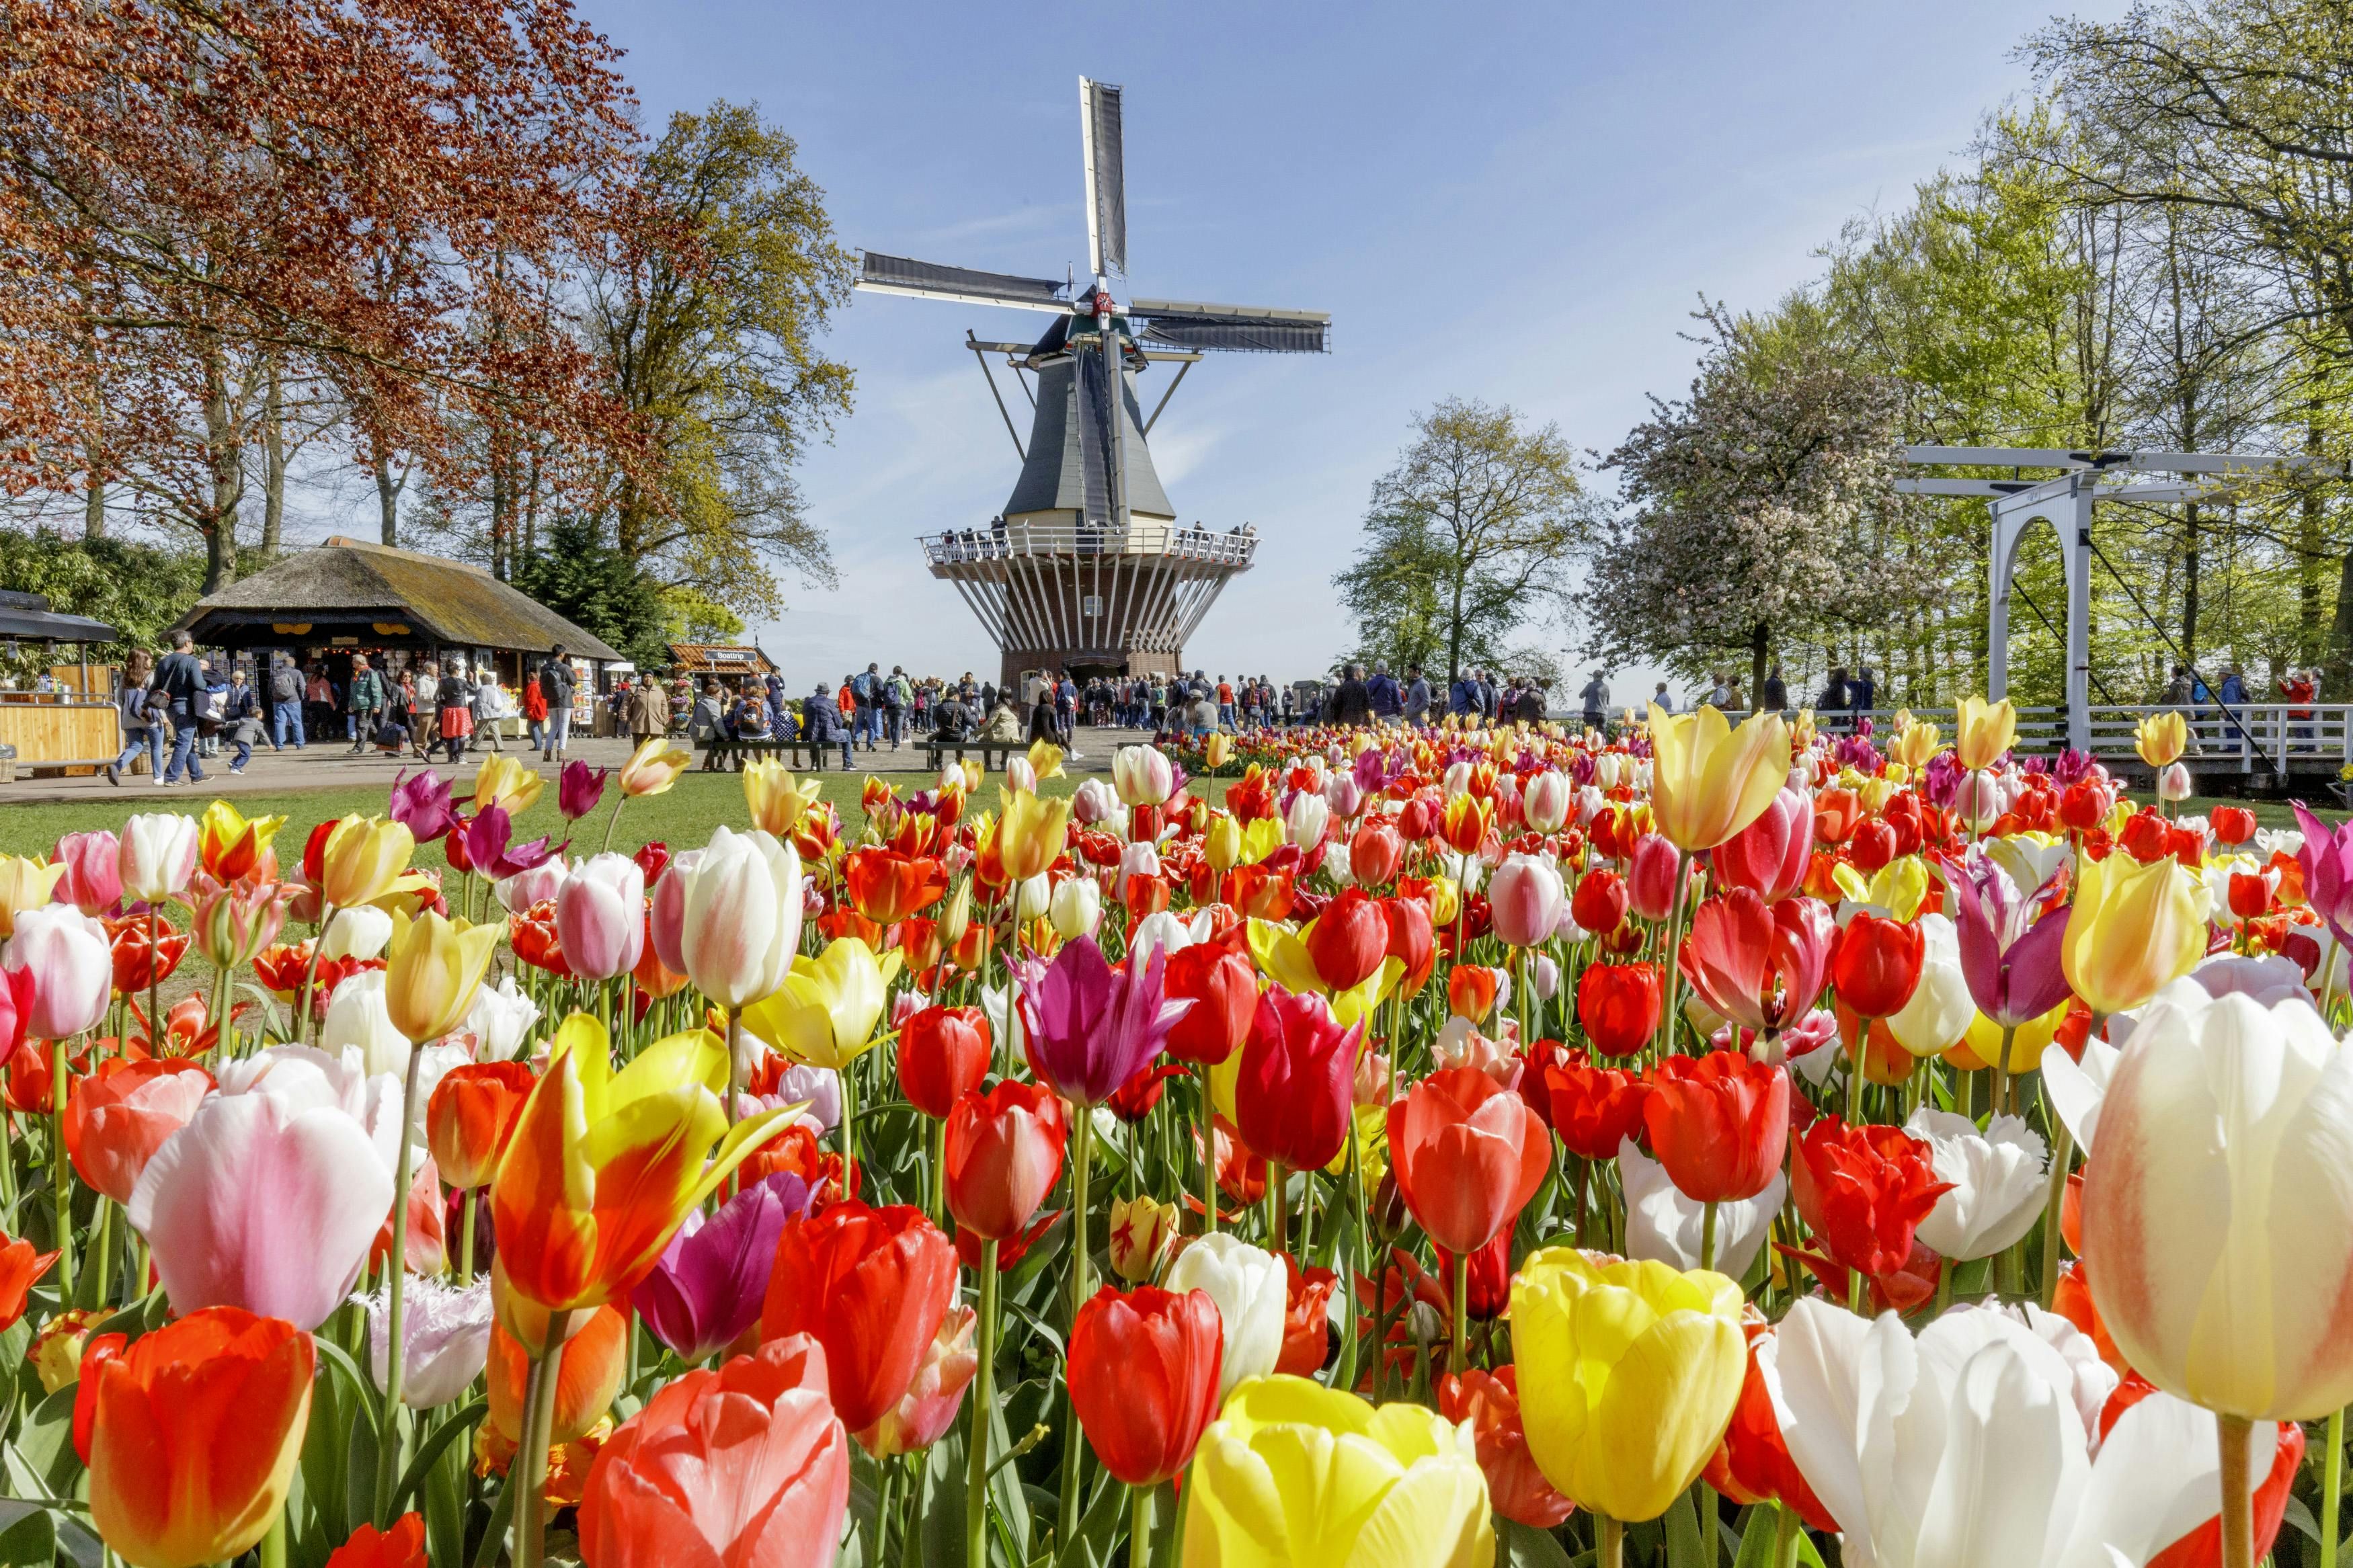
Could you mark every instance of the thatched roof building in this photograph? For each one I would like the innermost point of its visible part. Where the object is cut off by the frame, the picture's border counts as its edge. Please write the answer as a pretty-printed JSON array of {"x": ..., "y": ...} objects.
[{"x": 347, "y": 597}]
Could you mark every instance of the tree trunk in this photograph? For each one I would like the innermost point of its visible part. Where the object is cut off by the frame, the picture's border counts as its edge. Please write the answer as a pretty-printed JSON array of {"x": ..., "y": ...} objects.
[
  {"x": 2337, "y": 671},
  {"x": 93, "y": 502},
  {"x": 387, "y": 497},
  {"x": 225, "y": 454},
  {"x": 1760, "y": 639},
  {"x": 1454, "y": 633},
  {"x": 273, "y": 468},
  {"x": 2189, "y": 584}
]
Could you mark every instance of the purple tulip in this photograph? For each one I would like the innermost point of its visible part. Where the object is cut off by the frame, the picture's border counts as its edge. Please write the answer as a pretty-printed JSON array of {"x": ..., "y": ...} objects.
[
  {"x": 487, "y": 853},
  {"x": 422, "y": 805},
  {"x": 2327, "y": 857},
  {"x": 1088, "y": 1028},
  {"x": 578, "y": 789},
  {"x": 2072, "y": 767},
  {"x": 2010, "y": 959},
  {"x": 713, "y": 1279},
  {"x": 1944, "y": 780}
]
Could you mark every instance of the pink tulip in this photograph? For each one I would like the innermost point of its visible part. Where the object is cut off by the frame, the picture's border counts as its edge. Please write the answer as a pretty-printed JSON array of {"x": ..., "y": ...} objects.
[
  {"x": 666, "y": 912},
  {"x": 600, "y": 917},
  {"x": 1546, "y": 800},
  {"x": 1526, "y": 897},
  {"x": 156, "y": 855},
  {"x": 1770, "y": 854},
  {"x": 269, "y": 1199},
  {"x": 119, "y": 1119},
  {"x": 516, "y": 894},
  {"x": 72, "y": 965},
  {"x": 94, "y": 878},
  {"x": 1651, "y": 872},
  {"x": 929, "y": 1408}
]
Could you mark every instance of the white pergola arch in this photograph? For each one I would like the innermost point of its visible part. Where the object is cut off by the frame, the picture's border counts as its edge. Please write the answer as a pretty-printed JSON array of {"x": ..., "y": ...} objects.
[{"x": 2066, "y": 503}]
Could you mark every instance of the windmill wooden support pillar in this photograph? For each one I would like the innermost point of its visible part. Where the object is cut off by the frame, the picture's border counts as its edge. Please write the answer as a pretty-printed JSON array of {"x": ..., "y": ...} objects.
[{"x": 2066, "y": 504}]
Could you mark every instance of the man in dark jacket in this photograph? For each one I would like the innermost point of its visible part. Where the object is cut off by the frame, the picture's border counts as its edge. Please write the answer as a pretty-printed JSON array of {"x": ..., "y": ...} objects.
[
  {"x": 821, "y": 726},
  {"x": 1773, "y": 695},
  {"x": 1351, "y": 703},
  {"x": 1383, "y": 692},
  {"x": 181, "y": 679},
  {"x": 555, "y": 683},
  {"x": 285, "y": 703}
]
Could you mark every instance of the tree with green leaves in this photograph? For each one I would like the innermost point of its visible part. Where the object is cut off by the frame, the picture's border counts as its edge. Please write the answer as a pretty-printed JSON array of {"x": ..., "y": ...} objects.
[
  {"x": 1465, "y": 540},
  {"x": 583, "y": 576}
]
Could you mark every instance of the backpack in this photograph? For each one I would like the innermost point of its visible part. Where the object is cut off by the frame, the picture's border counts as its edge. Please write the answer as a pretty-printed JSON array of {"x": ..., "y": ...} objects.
[{"x": 285, "y": 684}]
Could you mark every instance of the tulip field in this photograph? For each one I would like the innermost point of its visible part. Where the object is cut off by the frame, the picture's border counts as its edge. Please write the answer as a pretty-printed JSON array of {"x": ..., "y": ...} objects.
[{"x": 1700, "y": 1146}]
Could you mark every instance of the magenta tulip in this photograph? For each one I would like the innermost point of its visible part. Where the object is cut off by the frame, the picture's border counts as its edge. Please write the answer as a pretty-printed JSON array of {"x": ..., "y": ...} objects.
[
  {"x": 1088, "y": 1028},
  {"x": 578, "y": 789},
  {"x": 1770, "y": 854},
  {"x": 2326, "y": 857},
  {"x": 483, "y": 847},
  {"x": 422, "y": 805},
  {"x": 600, "y": 916},
  {"x": 708, "y": 1288},
  {"x": 2009, "y": 959}
]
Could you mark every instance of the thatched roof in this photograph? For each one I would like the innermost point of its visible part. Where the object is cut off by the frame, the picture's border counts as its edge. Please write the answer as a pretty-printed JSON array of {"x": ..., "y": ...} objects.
[{"x": 346, "y": 587}]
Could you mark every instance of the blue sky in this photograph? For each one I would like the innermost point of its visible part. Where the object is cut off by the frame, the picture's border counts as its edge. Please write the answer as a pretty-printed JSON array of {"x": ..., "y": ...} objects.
[{"x": 1519, "y": 203}]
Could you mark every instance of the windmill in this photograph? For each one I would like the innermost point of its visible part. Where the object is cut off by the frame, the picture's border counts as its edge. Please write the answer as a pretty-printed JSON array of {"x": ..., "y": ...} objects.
[{"x": 1086, "y": 568}]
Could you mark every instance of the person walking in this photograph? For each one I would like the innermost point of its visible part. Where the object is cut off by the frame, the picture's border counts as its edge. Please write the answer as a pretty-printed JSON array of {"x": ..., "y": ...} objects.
[
  {"x": 145, "y": 709},
  {"x": 285, "y": 704},
  {"x": 453, "y": 702},
  {"x": 181, "y": 679},
  {"x": 648, "y": 708},
  {"x": 555, "y": 683},
  {"x": 321, "y": 704},
  {"x": 240, "y": 719},
  {"x": 1416, "y": 697},
  {"x": 897, "y": 696},
  {"x": 367, "y": 699},
  {"x": 1351, "y": 703},
  {"x": 1773, "y": 697}
]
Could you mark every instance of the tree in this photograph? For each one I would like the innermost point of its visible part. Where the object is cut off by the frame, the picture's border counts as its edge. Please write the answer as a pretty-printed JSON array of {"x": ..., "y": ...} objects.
[
  {"x": 1751, "y": 504},
  {"x": 137, "y": 589},
  {"x": 582, "y": 577},
  {"x": 705, "y": 313},
  {"x": 1465, "y": 539}
]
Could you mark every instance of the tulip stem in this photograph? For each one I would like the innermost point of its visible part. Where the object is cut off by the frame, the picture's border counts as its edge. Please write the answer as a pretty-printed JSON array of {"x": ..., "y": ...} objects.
[
  {"x": 2332, "y": 1487},
  {"x": 1707, "y": 1235},
  {"x": 530, "y": 1466},
  {"x": 64, "y": 1170},
  {"x": 301, "y": 998},
  {"x": 1139, "y": 1527},
  {"x": 388, "y": 1445},
  {"x": 620, "y": 799},
  {"x": 1461, "y": 1363},
  {"x": 1862, "y": 1050},
  {"x": 1083, "y": 1148},
  {"x": 1610, "y": 1543},
  {"x": 984, "y": 1407},
  {"x": 1208, "y": 1156},
  {"x": 848, "y": 1079},
  {"x": 1278, "y": 1221},
  {"x": 466, "y": 1236},
  {"x": 2001, "y": 1072},
  {"x": 2235, "y": 1436},
  {"x": 1785, "y": 1536},
  {"x": 155, "y": 978},
  {"x": 273, "y": 1546},
  {"x": 2062, "y": 1153}
]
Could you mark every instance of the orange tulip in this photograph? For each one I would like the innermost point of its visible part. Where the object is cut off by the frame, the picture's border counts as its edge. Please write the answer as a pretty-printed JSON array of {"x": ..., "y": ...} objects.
[
  {"x": 587, "y": 1378},
  {"x": 471, "y": 1117},
  {"x": 402, "y": 1546},
  {"x": 1467, "y": 822},
  {"x": 20, "y": 1269},
  {"x": 229, "y": 843},
  {"x": 195, "y": 1431},
  {"x": 888, "y": 887},
  {"x": 120, "y": 1115},
  {"x": 1471, "y": 989}
]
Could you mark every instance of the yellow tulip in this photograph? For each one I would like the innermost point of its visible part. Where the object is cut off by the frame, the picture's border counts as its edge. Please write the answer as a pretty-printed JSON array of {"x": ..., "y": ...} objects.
[
  {"x": 1916, "y": 744},
  {"x": 1984, "y": 730},
  {"x": 229, "y": 843},
  {"x": 1801, "y": 731},
  {"x": 1628, "y": 1374},
  {"x": 826, "y": 1013},
  {"x": 1296, "y": 1475},
  {"x": 1217, "y": 749},
  {"x": 775, "y": 797},
  {"x": 1046, "y": 759},
  {"x": 506, "y": 784},
  {"x": 955, "y": 919},
  {"x": 363, "y": 856},
  {"x": 603, "y": 1165},
  {"x": 432, "y": 967},
  {"x": 1895, "y": 891},
  {"x": 1875, "y": 793},
  {"x": 2161, "y": 737},
  {"x": 1445, "y": 900},
  {"x": 1261, "y": 840},
  {"x": 1708, "y": 781},
  {"x": 2134, "y": 928},
  {"x": 26, "y": 885},
  {"x": 653, "y": 767},
  {"x": 1981, "y": 1047},
  {"x": 1221, "y": 841},
  {"x": 1029, "y": 838}
]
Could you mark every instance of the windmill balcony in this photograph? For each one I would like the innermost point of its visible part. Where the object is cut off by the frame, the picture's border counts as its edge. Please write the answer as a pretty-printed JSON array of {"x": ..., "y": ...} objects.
[{"x": 1063, "y": 539}]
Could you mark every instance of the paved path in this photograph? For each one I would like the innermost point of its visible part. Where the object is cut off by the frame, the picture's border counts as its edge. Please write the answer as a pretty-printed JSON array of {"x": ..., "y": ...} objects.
[{"x": 333, "y": 766}]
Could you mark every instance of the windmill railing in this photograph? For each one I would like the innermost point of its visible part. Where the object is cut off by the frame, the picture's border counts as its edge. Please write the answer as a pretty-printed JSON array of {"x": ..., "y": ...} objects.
[
  {"x": 2244, "y": 737},
  {"x": 1018, "y": 540}
]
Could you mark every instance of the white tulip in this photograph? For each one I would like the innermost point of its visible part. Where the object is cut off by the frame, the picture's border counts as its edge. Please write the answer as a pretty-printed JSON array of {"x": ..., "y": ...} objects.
[
  {"x": 2076, "y": 1088},
  {"x": 1306, "y": 819},
  {"x": 742, "y": 917},
  {"x": 444, "y": 1332},
  {"x": 1664, "y": 1226},
  {"x": 1998, "y": 1178},
  {"x": 358, "y": 1019},
  {"x": 500, "y": 1020},
  {"x": 1249, "y": 1286},
  {"x": 1941, "y": 1008},
  {"x": 360, "y": 932},
  {"x": 1033, "y": 897},
  {"x": 518, "y": 893},
  {"x": 1076, "y": 907}
]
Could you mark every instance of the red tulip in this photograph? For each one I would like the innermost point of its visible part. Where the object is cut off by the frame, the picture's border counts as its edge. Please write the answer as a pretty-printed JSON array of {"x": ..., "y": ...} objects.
[
  {"x": 120, "y": 1115},
  {"x": 1863, "y": 1191},
  {"x": 1375, "y": 853},
  {"x": 1347, "y": 942},
  {"x": 1719, "y": 1123},
  {"x": 1488, "y": 1280},
  {"x": 1004, "y": 1152},
  {"x": 1412, "y": 942},
  {"x": 21, "y": 1268},
  {"x": 1759, "y": 964},
  {"x": 1770, "y": 854},
  {"x": 2233, "y": 824},
  {"x": 1218, "y": 978},
  {"x": 1753, "y": 1464},
  {"x": 888, "y": 887},
  {"x": 944, "y": 1052},
  {"x": 1594, "y": 1109},
  {"x": 1142, "y": 1368},
  {"x": 1875, "y": 965},
  {"x": 402, "y": 1546},
  {"x": 1489, "y": 1403},
  {"x": 1618, "y": 1005},
  {"x": 1306, "y": 1318},
  {"x": 1298, "y": 1067},
  {"x": 1468, "y": 1154},
  {"x": 1871, "y": 845},
  {"x": 1652, "y": 875},
  {"x": 1471, "y": 990},
  {"x": 1600, "y": 903},
  {"x": 138, "y": 965},
  {"x": 871, "y": 1286}
]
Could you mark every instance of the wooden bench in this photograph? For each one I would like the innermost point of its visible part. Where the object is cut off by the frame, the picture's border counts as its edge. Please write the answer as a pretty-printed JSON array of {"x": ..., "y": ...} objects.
[
  {"x": 993, "y": 753},
  {"x": 719, "y": 752}
]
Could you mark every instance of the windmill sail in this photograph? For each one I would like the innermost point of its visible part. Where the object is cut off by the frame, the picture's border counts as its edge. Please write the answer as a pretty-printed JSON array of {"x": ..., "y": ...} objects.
[
  {"x": 1106, "y": 178},
  {"x": 1245, "y": 329},
  {"x": 935, "y": 280}
]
